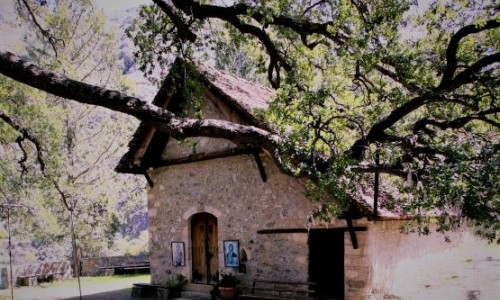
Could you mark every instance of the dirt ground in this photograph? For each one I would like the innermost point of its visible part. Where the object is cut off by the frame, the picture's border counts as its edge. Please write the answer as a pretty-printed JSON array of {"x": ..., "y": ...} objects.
[{"x": 469, "y": 271}]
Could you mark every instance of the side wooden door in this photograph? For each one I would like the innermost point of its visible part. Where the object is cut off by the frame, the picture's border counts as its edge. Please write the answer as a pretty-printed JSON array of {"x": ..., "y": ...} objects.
[
  {"x": 326, "y": 262},
  {"x": 204, "y": 248}
]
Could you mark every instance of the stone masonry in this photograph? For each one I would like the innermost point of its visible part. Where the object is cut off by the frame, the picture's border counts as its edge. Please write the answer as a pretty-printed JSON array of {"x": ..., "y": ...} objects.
[{"x": 232, "y": 190}]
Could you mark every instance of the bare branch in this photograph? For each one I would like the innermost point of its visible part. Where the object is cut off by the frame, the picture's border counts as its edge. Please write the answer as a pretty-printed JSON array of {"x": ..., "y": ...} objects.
[
  {"x": 46, "y": 33},
  {"x": 25, "y": 133}
]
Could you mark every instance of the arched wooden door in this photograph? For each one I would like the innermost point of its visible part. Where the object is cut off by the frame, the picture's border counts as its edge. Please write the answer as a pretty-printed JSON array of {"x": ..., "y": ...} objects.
[{"x": 204, "y": 247}]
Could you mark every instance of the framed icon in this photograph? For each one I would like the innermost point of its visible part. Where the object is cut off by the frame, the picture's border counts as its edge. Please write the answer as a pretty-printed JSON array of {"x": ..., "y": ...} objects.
[
  {"x": 178, "y": 257},
  {"x": 231, "y": 254}
]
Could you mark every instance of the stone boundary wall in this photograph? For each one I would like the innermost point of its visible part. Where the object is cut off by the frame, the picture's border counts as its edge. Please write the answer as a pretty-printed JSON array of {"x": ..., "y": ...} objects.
[
  {"x": 4, "y": 278},
  {"x": 32, "y": 274},
  {"x": 90, "y": 265}
]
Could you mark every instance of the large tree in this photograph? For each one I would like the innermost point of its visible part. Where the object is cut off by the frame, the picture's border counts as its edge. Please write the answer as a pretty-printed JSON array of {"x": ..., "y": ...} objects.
[
  {"x": 70, "y": 177},
  {"x": 395, "y": 87}
]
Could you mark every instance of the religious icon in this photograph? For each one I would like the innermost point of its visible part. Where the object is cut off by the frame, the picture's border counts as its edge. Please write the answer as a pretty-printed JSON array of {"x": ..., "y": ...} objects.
[
  {"x": 231, "y": 254},
  {"x": 178, "y": 258}
]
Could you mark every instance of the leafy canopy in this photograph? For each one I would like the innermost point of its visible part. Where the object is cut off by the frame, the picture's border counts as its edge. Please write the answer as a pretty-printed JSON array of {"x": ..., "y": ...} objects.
[
  {"x": 415, "y": 84},
  {"x": 399, "y": 88}
]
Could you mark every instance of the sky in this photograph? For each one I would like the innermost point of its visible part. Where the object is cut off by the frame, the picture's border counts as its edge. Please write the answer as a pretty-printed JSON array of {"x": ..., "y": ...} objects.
[{"x": 112, "y": 5}]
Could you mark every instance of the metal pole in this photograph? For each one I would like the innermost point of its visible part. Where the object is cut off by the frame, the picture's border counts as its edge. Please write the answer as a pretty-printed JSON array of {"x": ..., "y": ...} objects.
[
  {"x": 377, "y": 182},
  {"x": 10, "y": 255},
  {"x": 9, "y": 206},
  {"x": 75, "y": 259}
]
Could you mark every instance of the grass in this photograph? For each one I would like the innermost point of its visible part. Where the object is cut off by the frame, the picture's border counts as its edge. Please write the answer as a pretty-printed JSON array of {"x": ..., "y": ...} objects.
[{"x": 69, "y": 288}]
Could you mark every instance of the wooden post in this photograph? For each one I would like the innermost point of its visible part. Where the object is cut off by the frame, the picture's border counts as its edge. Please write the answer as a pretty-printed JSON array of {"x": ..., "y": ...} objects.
[
  {"x": 376, "y": 188},
  {"x": 352, "y": 232},
  {"x": 76, "y": 259},
  {"x": 10, "y": 254}
]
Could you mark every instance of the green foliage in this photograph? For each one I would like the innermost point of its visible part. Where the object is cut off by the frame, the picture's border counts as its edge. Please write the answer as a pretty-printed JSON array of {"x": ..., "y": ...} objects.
[
  {"x": 228, "y": 279},
  {"x": 376, "y": 58},
  {"x": 467, "y": 188},
  {"x": 339, "y": 184},
  {"x": 80, "y": 145},
  {"x": 412, "y": 83},
  {"x": 177, "y": 282}
]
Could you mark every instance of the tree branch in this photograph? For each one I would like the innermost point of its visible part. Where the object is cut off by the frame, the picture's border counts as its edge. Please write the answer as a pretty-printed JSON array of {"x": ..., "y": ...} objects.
[
  {"x": 184, "y": 32},
  {"x": 394, "y": 76},
  {"x": 468, "y": 75},
  {"x": 232, "y": 15},
  {"x": 421, "y": 125},
  {"x": 377, "y": 130},
  {"x": 164, "y": 120},
  {"x": 46, "y": 33},
  {"x": 451, "y": 51},
  {"x": 25, "y": 133}
]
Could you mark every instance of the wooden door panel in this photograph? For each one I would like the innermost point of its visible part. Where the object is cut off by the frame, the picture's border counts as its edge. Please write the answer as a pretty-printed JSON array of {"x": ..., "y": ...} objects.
[
  {"x": 212, "y": 255},
  {"x": 204, "y": 248},
  {"x": 198, "y": 246}
]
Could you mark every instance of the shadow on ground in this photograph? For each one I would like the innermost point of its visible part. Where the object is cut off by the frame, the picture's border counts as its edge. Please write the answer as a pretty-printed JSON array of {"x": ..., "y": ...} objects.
[{"x": 123, "y": 294}]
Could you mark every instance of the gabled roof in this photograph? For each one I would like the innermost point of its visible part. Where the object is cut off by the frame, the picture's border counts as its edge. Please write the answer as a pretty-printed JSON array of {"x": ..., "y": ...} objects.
[
  {"x": 242, "y": 96},
  {"x": 247, "y": 96}
]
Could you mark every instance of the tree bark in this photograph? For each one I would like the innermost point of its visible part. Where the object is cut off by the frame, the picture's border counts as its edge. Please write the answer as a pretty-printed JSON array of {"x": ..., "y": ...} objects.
[{"x": 25, "y": 72}]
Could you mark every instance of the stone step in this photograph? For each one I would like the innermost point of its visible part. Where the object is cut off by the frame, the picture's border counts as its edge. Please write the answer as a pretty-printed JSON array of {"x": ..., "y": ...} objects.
[
  {"x": 205, "y": 288},
  {"x": 195, "y": 295}
]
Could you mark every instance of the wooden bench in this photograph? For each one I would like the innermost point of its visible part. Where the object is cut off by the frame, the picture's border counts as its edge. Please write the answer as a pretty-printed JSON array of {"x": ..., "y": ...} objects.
[
  {"x": 35, "y": 279},
  {"x": 124, "y": 269},
  {"x": 271, "y": 290}
]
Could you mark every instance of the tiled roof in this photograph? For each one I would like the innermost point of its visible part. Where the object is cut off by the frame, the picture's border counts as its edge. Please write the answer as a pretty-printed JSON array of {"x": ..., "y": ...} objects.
[
  {"x": 241, "y": 95},
  {"x": 249, "y": 96},
  {"x": 245, "y": 98}
]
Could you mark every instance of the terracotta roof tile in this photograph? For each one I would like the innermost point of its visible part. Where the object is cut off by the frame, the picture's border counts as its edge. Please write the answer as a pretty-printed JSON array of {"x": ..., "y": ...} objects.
[
  {"x": 248, "y": 95},
  {"x": 242, "y": 95}
]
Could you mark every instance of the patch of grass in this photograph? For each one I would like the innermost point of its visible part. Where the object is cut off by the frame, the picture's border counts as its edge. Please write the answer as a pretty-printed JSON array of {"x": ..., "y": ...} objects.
[
  {"x": 89, "y": 284},
  {"x": 97, "y": 280}
]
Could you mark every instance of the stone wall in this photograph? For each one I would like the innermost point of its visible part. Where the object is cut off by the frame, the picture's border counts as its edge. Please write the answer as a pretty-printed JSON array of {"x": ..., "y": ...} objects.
[
  {"x": 386, "y": 248},
  {"x": 32, "y": 274},
  {"x": 357, "y": 263},
  {"x": 232, "y": 190},
  {"x": 90, "y": 266},
  {"x": 4, "y": 278}
]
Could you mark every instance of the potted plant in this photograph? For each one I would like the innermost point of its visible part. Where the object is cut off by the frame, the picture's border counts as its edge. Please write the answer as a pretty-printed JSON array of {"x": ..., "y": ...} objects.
[
  {"x": 227, "y": 286},
  {"x": 175, "y": 286}
]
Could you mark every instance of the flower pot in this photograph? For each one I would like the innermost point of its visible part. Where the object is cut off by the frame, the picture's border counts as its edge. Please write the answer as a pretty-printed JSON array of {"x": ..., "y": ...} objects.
[{"x": 227, "y": 293}]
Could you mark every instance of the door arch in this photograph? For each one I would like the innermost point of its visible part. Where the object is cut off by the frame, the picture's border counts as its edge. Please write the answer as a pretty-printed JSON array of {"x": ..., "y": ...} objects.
[{"x": 205, "y": 258}]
